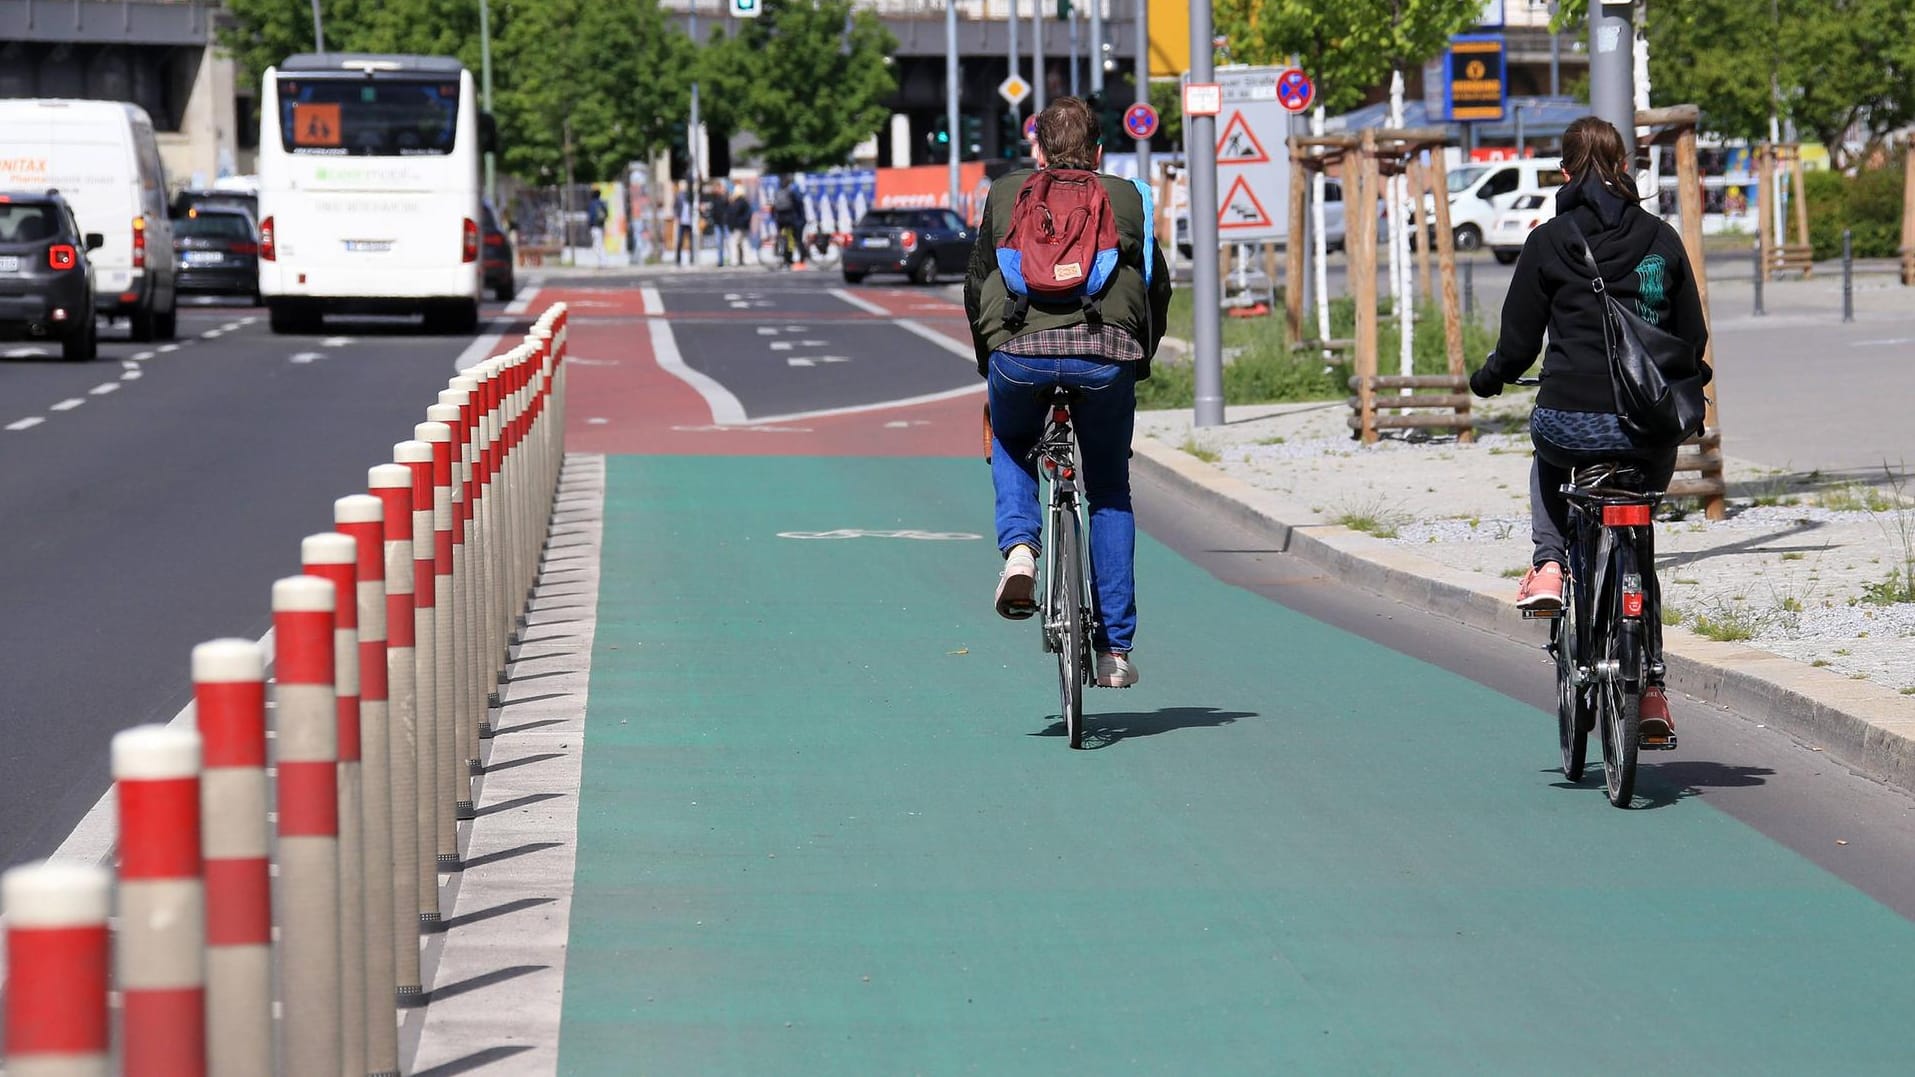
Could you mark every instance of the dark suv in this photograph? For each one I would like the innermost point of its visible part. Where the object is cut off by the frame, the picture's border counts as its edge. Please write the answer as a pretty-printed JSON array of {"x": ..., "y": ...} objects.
[{"x": 46, "y": 285}]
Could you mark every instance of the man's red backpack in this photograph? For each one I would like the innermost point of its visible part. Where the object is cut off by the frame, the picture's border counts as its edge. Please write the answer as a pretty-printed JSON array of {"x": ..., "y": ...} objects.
[{"x": 1061, "y": 246}]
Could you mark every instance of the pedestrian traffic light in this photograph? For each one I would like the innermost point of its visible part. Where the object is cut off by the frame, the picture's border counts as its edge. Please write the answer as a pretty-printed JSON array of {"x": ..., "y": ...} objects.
[
  {"x": 1064, "y": 10},
  {"x": 971, "y": 132}
]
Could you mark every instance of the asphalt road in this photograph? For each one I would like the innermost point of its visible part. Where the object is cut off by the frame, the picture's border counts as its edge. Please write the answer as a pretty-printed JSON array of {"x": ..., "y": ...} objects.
[{"x": 161, "y": 490}]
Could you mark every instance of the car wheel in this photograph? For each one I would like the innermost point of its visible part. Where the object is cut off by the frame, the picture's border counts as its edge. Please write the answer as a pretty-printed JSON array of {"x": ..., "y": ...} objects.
[
  {"x": 852, "y": 276},
  {"x": 167, "y": 326},
  {"x": 1469, "y": 238},
  {"x": 1504, "y": 258},
  {"x": 289, "y": 316},
  {"x": 140, "y": 325},
  {"x": 453, "y": 318},
  {"x": 926, "y": 271},
  {"x": 506, "y": 289},
  {"x": 83, "y": 345}
]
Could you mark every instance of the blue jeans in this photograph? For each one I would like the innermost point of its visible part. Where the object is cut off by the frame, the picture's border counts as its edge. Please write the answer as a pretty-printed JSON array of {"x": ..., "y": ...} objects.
[{"x": 1103, "y": 417}]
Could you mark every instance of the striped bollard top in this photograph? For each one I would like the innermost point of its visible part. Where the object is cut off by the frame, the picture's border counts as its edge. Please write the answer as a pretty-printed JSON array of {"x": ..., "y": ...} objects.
[
  {"x": 57, "y": 962},
  {"x": 160, "y": 952}
]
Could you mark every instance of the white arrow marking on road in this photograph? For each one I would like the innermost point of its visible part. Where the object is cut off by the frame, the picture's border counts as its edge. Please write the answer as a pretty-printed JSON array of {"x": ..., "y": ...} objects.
[
  {"x": 168, "y": 349},
  {"x": 27, "y": 423},
  {"x": 104, "y": 388},
  {"x": 800, "y": 362},
  {"x": 335, "y": 342},
  {"x": 307, "y": 357},
  {"x": 140, "y": 357},
  {"x": 69, "y": 403}
]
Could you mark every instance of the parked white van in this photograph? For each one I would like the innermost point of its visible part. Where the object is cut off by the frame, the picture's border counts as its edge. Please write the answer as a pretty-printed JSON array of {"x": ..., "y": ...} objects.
[
  {"x": 103, "y": 159},
  {"x": 1479, "y": 193}
]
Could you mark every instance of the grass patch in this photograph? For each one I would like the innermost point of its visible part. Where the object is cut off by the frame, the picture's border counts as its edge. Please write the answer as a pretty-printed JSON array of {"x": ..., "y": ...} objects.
[
  {"x": 1792, "y": 556},
  {"x": 1671, "y": 615},
  {"x": 1854, "y": 498},
  {"x": 1515, "y": 573},
  {"x": 1819, "y": 663},
  {"x": 1897, "y": 587},
  {"x": 1371, "y": 518},
  {"x": 1910, "y": 691},
  {"x": 1208, "y": 456},
  {"x": 1730, "y": 624}
]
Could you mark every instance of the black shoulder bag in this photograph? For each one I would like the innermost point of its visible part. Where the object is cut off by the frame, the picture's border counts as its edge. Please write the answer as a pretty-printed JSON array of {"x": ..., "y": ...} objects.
[{"x": 1653, "y": 407}]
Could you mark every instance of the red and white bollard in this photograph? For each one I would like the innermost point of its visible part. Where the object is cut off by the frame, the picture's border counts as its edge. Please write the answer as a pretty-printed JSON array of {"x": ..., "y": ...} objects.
[
  {"x": 447, "y": 689},
  {"x": 416, "y": 455},
  {"x": 392, "y": 485},
  {"x": 362, "y": 518},
  {"x": 458, "y": 661},
  {"x": 334, "y": 557},
  {"x": 56, "y": 1021},
  {"x": 306, "y": 749},
  {"x": 161, "y": 946},
  {"x": 470, "y": 542},
  {"x": 489, "y": 616},
  {"x": 229, "y": 704}
]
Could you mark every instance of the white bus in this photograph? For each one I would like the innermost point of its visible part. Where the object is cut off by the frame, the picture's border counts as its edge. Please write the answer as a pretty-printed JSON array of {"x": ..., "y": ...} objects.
[{"x": 369, "y": 190}]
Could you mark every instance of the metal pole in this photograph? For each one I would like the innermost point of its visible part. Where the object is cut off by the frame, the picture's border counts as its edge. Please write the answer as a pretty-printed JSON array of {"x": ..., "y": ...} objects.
[
  {"x": 692, "y": 147},
  {"x": 1037, "y": 56},
  {"x": 1555, "y": 64},
  {"x": 1097, "y": 47},
  {"x": 1071, "y": 15},
  {"x": 319, "y": 30},
  {"x": 1200, "y": 148},
  {"x": 1759, "y": 274},
  {"x": 485, "y": 94},
  {"x": 1469, "y": 289},
  {"x": 951, "y": 120},
  {"x": 1519, "y": 130},
  {"x": 1848, "y": 277},
  {"x": 1141, "y": 76},
  {"x": 1013, "y": 62},
  {"x": 1612, "y": 68}
]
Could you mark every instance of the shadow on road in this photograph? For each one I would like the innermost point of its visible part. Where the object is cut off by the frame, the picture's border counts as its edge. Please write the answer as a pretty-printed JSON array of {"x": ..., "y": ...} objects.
[
  {"x": 1658, "y": 785},
  {"x": 1104, "y": 730}
]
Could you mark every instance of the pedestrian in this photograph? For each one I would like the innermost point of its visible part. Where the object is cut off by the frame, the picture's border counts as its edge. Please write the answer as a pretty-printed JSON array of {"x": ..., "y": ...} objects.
[
  {"x": 683, "y": 211},
  {"x": 595, "y": 214},
  {"x": 1100, "y": 344},
  {"x": 1643, "y": 264},
  {"x": 718, "y": 213},
  {"x": 738, "y": 219}
]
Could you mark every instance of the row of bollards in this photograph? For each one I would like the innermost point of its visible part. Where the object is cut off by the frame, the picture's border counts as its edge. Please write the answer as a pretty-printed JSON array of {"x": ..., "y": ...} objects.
[{"x": 307, "y": 875}]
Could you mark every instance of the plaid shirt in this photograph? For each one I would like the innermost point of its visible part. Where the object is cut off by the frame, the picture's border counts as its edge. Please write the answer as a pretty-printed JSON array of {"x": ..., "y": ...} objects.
[{"x": 1080, "y": 341}]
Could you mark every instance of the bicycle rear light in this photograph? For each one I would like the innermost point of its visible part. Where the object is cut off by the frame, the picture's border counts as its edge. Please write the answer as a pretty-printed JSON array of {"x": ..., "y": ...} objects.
[
  {"x": 1625, "y": 516},
  {"x": 1631, "y": 595}
]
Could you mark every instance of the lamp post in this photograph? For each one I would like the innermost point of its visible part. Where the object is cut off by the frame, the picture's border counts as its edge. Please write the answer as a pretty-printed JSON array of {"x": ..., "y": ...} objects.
[
  {"x": 485, "y": 93},
  {"x": 319, "y": 30}
]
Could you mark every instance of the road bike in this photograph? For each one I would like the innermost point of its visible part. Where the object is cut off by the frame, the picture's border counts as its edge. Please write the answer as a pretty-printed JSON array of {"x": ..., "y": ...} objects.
[
  {"x": 1066, "y": 612},
  {"x": 1605, "y": 639}
]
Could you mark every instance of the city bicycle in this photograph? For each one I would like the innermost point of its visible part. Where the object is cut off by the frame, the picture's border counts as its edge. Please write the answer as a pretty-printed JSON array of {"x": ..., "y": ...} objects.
[
  {"x": 819, "y": 250},
  {"x": 1605, "y": 639},
  {"x": 1067, "y": 614}
]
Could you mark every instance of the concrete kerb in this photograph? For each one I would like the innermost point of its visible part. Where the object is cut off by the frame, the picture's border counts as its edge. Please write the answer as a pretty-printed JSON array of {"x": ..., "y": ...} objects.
[{"x": 1863, "y": 725}]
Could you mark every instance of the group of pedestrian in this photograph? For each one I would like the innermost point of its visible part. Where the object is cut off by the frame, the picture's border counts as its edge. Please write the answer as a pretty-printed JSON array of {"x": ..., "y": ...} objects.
[{"x": 727, "y": 218}]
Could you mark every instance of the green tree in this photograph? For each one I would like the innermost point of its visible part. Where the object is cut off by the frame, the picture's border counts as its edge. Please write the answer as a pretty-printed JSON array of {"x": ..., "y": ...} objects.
[
  {"x": 1349, "y": 47},
  {"x": 807, "y": 77}
]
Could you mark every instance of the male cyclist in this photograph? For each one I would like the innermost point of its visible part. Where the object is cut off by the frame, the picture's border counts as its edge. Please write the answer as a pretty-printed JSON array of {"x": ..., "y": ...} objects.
[{"x": 1101, "y": 349}]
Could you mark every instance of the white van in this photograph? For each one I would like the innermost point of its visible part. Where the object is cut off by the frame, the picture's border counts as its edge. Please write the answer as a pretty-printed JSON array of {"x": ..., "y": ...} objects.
[
  {"x": 103, "y": 159},
  {"x": 1479, "y": 193}
]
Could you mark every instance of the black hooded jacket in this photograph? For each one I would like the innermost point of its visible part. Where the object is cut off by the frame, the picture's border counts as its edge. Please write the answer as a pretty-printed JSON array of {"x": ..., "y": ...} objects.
[{"x": 1643, "y": 265}]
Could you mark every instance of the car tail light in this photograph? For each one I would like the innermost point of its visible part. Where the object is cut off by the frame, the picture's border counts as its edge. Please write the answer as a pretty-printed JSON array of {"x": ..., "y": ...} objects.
[
  {"x": 1631, "y": 595},
  {"x": 471, "y": 252},
  {"x": 909, "y": 240},
  {"x": 139, "y": 243},
  {"x": 62, "y": 256},
  {"x": 267, "y": 248},
  {"x": 1625, "y": 516},
  {"x": 243, "y": 247}
]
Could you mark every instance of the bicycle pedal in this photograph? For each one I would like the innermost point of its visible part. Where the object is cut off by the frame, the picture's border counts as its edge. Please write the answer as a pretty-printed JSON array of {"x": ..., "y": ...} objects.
[
  {"x": 1656, "y": 744},
  {"x": 1540, "y": 615}
]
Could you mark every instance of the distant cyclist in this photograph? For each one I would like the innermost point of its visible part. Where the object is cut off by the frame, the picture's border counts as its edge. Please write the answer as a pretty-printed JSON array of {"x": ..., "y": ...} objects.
[
  {"x": 1100, "y": 345},
  {"x": 788, "y": 216},
  {"x": 1574, "y": 422}
]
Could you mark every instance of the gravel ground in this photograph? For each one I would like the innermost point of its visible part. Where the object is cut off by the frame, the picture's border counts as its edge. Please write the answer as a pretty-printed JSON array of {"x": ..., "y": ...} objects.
[{"x": 1799, "y": 568}]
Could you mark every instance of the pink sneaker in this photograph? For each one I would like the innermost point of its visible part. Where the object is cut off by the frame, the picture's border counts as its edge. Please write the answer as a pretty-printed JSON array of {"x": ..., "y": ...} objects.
[{"x": 1542, "y": 589}]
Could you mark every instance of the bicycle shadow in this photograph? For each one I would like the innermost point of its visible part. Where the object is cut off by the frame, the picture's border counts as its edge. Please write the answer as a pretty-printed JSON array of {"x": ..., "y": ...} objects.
[
  {"x": 1104, "y": 730},
  {"x": 1660, "y": 785}
]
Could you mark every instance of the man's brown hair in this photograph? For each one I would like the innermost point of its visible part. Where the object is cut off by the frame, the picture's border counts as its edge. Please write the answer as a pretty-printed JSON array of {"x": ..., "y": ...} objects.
[{"x": 1067, "y": 133}]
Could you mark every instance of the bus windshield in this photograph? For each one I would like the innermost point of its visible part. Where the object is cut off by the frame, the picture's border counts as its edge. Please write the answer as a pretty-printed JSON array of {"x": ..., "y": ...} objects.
[{"x": 368, "y": 117}]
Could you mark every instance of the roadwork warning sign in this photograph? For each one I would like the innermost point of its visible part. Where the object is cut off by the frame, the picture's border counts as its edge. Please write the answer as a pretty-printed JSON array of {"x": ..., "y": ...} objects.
[
  {"x": 1238, "y": 145},
  {"x": 1253, "y": 158}
]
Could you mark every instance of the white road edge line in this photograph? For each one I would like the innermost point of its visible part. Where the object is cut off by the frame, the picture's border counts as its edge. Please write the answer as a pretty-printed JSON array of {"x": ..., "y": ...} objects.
[
  {"x": 27, "y": 423},
  {"x": 909, "y": 325},
  {"x": 69, "y": 403},
  {"x": 481, "y": 347},
  {"x": 726, "y": 410},
  {"x": 167, "y": 349},
  {"x": 92, "y": 839},
  {"x": 141, "y": 357}
]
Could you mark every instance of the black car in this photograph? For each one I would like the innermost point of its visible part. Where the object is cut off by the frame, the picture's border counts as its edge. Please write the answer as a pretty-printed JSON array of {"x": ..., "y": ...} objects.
[
  {"x": 188, "y": 200},
  {"x": 46, "y": 285},
  {"x": 919, "y": 243},
  {"x": 497, "y": 256},
  {"x": 218, "y": 252}
]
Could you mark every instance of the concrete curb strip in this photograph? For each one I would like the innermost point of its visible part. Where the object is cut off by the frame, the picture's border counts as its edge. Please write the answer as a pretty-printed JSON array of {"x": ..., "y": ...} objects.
[{"x": 1864, "y": 725}]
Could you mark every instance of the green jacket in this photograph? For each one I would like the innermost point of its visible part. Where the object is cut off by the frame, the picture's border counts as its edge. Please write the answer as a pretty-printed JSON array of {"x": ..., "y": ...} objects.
[{"x": 1127, "y": 302}]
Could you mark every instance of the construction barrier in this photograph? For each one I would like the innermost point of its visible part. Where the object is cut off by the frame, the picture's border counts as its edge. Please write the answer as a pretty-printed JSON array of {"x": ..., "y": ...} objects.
[{"x": 271, "y": 905}]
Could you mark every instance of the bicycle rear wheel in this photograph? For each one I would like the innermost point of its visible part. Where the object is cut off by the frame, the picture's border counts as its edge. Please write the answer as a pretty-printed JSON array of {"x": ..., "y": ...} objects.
[
  {"x": 1068, "y": 607},
  {"x": 1619, "y": 695},
  {"x": 1572, "y": 699}
]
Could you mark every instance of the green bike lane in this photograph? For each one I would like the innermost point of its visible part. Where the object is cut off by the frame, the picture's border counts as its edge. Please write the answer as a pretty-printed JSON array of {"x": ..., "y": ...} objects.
[{"x": 828, "y": 824}]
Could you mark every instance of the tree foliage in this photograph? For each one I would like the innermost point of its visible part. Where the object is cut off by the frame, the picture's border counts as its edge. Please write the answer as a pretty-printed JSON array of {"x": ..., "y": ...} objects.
[
  {"x": 807, "y": 77},
  {"x": 1349, "y": 47}
]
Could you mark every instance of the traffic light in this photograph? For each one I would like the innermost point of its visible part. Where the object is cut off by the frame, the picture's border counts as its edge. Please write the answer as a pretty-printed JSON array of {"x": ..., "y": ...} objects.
[
  {"x": 1010, "y": 136},
  {"x": 971, "y": 130},
  {"x": 1064, "y": 10},
  {"x": 937, "y": 142},
  {"x": 1110, "y": 124}
]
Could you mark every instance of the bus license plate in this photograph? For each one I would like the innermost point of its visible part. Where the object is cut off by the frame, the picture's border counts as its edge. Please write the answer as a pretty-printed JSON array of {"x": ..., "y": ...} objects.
[
  {"x": 369, "y": 246},
  {"x": 9, "y": 263}
]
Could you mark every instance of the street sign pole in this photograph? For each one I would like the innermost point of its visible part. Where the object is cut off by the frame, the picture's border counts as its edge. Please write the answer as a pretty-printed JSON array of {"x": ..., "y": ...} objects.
[
  {"x": 1010, "y": 24},
  {"x": 1612, "y": 68},
  {"x": 1037, "y": 55},
  {"x": 1202, "y": 150},
  {"x": 1141, "y": 77},
  {"x": 485, "y": 93},
  {"x": 1097, "y": 48},
  {"x": 691, "y": 149},
  {"x": 951, "y": 122}
]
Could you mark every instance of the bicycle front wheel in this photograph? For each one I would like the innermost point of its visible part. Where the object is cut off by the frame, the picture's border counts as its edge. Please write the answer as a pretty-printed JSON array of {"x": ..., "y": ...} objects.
[
  {"x": 1068, "y": 607},
  {"x": 1620, "y": 691}
]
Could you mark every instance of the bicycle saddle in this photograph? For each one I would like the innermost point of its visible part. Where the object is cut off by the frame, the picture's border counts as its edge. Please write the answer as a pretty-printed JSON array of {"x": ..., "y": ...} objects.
[{"x": 1612, "y": 474}]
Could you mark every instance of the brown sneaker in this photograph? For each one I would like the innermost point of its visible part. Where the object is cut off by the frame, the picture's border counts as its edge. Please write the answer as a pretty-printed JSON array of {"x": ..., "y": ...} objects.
[
  {"x": 1542, "y": 589},
  {"x": 1654, "y": 726}
]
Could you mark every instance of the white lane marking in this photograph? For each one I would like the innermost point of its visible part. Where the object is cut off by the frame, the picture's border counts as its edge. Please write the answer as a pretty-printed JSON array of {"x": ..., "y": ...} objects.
[
  {"x": 1884, "y": 340},
  {"x": 783, "y": 345},
  {"x": 168, "y": 349},
  {"x": 725, "y": 408},
  {"x": 524, "y": 1010},
  {"x": 577, "y": 360},
  {"x": 69, "y": 403},
  {"x": 249, "y": 319},
  {"x": 853, "y": 532},
  {"x": 104, "y": 388},
  {"x": 128, "y": 364},
  {"x": 231, "y": 326},
  {"x": 795, "y": 361},
  {"x": 27, "y": 423},
  {"x": 91, "y": 841},
  {"x": 140, "y": 357},
  {"x": 26, "y": 353},
  {"x": 212, "y": 333},
  {"x": 335, "y": 342},
  {"x": 882, "y": 405},
  {"x": 908, "y": 325},
  {"x": 596, "y": 422},
  {"x": 306, "y": 357},
  {"x": 131, "y": 375},
  {"x": 814, "y": 360},
  {"x": 767, "y": 330},
  {"x": 481, "y": 347}
]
